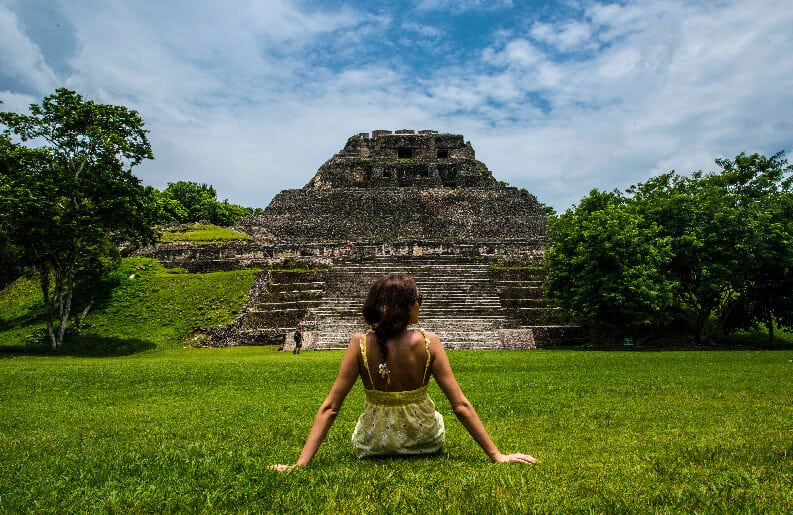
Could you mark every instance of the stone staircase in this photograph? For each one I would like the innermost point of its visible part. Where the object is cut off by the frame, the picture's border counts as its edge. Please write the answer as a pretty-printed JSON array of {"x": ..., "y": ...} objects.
[
  {"x": 461, "y": 302},
  {"x": 522, "y": 297},
  {"x": 467, "y": 302},
  {"x": 283, "y": 301}
]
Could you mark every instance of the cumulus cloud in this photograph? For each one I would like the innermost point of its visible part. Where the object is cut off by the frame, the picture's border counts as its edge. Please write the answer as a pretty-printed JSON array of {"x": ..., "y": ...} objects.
[
  {"x": 253, "y": 98},
  {"x": 694, "y": 84},
  {"x": 463, "y": 5},
  {"x": 21, "y": 59},
  {"x": 569, "y": 36}
]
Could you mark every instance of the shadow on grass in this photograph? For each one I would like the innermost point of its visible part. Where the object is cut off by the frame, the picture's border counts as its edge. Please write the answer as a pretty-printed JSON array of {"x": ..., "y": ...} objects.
[
  {"x": 407, "y": 457},
  {"x": 674, "y": 347},
  {"x": 32, "y": 317},
  {"x": 82, "y": 346}
]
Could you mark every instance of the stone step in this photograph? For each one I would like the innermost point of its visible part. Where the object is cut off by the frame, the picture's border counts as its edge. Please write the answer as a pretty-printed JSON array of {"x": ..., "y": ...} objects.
[
  {"x": 450, "y": 306},
  {"x": 523, "y": 302},
  {"x": 446, "y": 296},
  {"x": 523, "y": 337},
  {"x": 284, "y": 306},
  {"x": 336, "y": 316}
]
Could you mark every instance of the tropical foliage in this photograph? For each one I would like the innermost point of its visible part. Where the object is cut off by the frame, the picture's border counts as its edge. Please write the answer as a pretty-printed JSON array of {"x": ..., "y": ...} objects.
[
  {"x": 713, "y": 251},
  {"x": 189, "y": 202}
]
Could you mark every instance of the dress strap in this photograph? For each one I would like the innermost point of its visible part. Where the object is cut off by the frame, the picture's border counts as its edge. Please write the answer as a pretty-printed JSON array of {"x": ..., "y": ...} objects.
[
  {"x": 366, "y": 361},
  {"x": 427, "y": 348}
]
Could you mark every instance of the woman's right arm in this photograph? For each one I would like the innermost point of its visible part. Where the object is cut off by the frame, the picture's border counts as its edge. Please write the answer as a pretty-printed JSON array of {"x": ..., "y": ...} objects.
[
  {"x": 463, "y": 409},
  {"x": 326, "y": 415}
]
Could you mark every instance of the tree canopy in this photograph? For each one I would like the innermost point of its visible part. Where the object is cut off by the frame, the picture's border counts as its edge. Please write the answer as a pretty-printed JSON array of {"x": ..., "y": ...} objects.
[
  {"x": 186, "y": 201},
  {"x": 605, "y": 261},
  {"x": 712, "y": 251}
]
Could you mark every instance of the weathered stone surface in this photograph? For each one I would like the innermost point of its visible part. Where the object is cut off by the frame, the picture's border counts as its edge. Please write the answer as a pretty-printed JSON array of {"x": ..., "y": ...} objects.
[
  {"x": 463, "y": 215},
  {"x": 404, "y": 159},
  {"x": 404, "y": 186},
  {"x": 213, "y": 257}
]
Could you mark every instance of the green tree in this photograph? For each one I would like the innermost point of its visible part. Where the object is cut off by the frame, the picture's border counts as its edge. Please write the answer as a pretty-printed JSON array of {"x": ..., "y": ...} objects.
[
  {"x": 730, "y": 235},
  {"x": 69, "y": 199},
  {"x": 763, "y": 188},
  {"x": 166, "y": 208},
  {"x": 197, "y": 200},
  {"x": 604, "y": 264},
  {"x": 11, "y": 263},
  {"x": 228, "y": 214},
  {"x": 714, "y": 250},
  {"x": 199, "y": 203},
  {"x": 703, "y": 226}
]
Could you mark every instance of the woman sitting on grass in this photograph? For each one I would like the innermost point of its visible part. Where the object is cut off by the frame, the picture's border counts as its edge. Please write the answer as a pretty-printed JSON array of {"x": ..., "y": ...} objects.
[{"x": 394, "y": 364}]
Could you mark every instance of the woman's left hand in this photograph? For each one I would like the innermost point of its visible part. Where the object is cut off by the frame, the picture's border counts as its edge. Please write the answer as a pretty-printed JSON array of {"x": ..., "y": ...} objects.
[{"x": 281, "y": 468}]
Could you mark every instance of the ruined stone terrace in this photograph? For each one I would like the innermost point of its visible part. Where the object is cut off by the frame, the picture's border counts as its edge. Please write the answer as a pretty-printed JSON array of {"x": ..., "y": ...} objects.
[
  {"x": 468, "y": 303},
  {"x": 465, "y": 215}
]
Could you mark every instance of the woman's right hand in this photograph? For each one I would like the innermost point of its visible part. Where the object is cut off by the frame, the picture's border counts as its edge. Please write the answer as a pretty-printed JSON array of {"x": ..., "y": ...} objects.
[{"x": 516, "y": 458}]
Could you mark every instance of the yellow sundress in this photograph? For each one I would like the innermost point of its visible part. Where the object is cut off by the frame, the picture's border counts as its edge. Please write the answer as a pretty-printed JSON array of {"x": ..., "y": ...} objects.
[{"x": 398, "y": 423}]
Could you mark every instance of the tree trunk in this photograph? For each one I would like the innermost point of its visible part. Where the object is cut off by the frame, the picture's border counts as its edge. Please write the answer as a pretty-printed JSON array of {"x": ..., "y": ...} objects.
[
  {"x": 60, "y": 300},
  {"x": 64, "y": 289},
  {"x": 49, "y": 308},
  {"x": 78, "y": 321},
  {"x": 68, "y": 311},
  {"x": 771, "y": 335},
  {"x": 698, "y": 336}
]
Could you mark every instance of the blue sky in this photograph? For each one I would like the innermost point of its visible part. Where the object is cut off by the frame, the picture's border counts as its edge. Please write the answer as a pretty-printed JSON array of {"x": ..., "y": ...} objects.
[{"x": 558, "y": 97}]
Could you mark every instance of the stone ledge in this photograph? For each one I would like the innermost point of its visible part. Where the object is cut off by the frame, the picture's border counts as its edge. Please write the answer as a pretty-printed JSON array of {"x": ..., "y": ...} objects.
[{"x": 386, "y": 214}]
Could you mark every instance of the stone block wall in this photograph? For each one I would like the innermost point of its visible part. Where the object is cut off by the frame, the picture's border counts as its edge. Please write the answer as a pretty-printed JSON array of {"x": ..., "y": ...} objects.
[
  {"x": 403, "y": 159},
  {"x": 214, "y": 257},
  {"x": 392, "y": 214}
]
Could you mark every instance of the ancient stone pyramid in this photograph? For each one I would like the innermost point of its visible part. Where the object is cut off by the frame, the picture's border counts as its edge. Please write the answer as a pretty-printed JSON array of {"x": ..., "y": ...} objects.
[
  {"x": 387, "y": 202},
  {"x": 404, "y": 187}
]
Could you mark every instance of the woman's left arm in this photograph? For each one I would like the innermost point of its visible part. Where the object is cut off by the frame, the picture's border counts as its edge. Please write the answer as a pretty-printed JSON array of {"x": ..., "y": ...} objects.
[{"x": 326, "y": 415}]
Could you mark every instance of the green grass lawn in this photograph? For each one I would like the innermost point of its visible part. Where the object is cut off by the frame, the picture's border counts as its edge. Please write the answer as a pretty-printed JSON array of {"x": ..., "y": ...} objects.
[
  {"x": 124, "y": 419},
  {"x": 194, "y": 430},
  {"x": 152, "y": 308},
  {"x": 201, "y": 233}
]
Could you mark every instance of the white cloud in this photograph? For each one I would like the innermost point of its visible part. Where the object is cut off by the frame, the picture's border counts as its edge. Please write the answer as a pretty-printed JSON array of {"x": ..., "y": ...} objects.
[
  {"x": 675, "y": 87},
  {"x": 16, "y": 102},
  {"x": 254, "y": 99},
  {"x": 569, "y": 36},
  {"x": 612, "y": 21},
  {"x": 520, "y": 53},
  {"x": 462, "y": 5},
  {"x": 20, "y": 58},
  {"x": 424, "y": 30},
  {"x": 619, "y": 63}
]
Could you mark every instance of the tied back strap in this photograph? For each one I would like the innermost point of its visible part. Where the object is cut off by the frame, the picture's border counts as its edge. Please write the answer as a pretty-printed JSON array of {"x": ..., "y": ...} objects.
[
  {"x": 427, "y": 348},
  {"x": 365, "y": 360}
]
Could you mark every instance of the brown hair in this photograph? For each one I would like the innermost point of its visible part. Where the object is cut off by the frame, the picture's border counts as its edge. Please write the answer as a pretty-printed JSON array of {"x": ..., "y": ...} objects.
[{"x": 388, "y": 305}]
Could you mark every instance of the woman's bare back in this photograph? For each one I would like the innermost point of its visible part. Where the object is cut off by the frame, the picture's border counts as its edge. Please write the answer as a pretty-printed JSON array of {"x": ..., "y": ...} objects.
[{"x": 406, "y": 363}]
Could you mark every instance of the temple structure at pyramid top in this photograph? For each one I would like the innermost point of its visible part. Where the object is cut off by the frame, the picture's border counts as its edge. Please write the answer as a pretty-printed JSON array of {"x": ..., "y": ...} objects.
[
  {"x": 404, "y": 158},
  {"x": 403, "y": 186}
]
